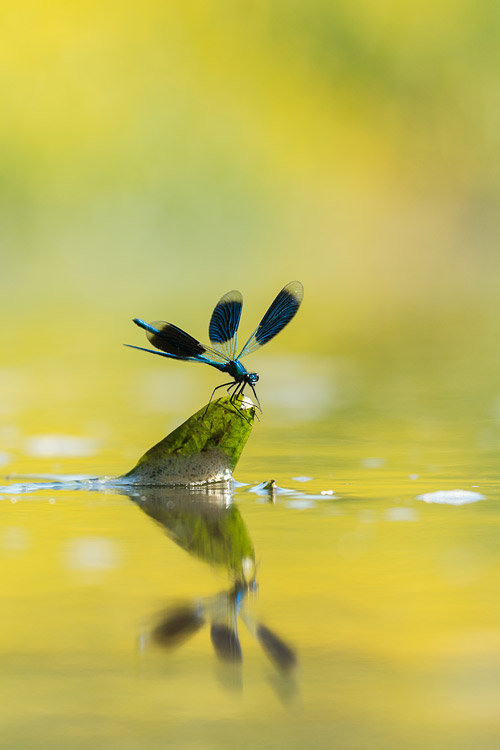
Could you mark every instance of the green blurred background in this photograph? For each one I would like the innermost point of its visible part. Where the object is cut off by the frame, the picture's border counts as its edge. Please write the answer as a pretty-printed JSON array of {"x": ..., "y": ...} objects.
[{"x": 157, "y": 154}]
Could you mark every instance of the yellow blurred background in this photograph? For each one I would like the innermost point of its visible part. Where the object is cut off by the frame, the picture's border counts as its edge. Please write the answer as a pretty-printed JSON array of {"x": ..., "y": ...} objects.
[{"x": 158, "y": 154}]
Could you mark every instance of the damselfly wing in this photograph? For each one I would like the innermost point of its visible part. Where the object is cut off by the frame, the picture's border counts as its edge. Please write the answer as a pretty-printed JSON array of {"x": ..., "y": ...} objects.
[{"x": 175, "y": 343}]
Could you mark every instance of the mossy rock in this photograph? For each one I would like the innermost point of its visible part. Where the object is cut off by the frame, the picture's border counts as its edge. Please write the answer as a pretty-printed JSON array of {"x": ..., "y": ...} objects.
[{"x": 204, "y": 449}]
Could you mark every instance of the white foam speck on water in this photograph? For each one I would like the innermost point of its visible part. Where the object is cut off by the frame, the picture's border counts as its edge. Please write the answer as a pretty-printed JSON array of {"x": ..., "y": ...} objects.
[
  {"x": 4, "y": 458},
  {"x": 367, "y": 516},
  {"x": 14, "y": 540},
  {"x": 300, "y": 504},
  {"x": 323, "y": 496},
  {"x": 302, "y": 479},
  {"x": 55, "y": 446},
  {"x": 451, "y": 497},
  {"x": 372, "y": 462},
  {"x": 401, "y": 514},
  {"x": 91, "y": 554}
]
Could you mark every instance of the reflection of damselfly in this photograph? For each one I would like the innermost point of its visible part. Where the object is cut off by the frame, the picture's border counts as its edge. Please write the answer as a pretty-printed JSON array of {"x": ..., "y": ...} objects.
[{"x": 223, "y": 611}]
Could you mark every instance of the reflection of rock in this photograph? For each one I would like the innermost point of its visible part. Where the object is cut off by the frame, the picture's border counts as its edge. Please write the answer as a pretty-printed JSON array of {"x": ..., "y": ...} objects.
[
  {"x": 205, "y": 448},
  {"x": 205, "y": 523}
]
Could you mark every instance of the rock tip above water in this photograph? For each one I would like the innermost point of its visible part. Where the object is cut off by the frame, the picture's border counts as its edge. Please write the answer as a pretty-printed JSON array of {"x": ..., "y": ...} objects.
[{"x": 204, "y": 449}]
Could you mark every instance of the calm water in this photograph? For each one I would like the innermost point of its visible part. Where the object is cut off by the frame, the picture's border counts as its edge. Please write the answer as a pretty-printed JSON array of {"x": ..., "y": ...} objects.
[{"x": 389, "y": 603}]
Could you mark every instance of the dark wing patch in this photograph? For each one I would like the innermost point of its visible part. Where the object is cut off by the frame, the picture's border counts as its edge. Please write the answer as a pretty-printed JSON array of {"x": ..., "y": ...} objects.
[
  {"x": 170, "y": 339},
  {"x": 224, "y": 323},
  {"x": 279, "y": 314}
]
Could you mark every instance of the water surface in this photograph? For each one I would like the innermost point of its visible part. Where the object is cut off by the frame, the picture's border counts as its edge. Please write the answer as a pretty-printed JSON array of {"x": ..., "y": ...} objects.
[{"x": 388, "y": 602}]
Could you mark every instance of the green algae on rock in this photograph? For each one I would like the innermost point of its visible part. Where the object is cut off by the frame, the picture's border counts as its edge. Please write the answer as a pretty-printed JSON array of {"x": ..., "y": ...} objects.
[{"x": 205, "y": 448}]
